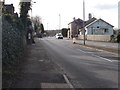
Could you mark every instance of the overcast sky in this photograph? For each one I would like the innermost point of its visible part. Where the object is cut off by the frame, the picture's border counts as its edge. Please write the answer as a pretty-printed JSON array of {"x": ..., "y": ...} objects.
[{"x": 49, "y": 11}]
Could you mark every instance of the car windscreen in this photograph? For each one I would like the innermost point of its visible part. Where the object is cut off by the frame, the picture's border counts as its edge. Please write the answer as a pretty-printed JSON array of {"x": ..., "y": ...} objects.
[{"x": 59, "y": 35}]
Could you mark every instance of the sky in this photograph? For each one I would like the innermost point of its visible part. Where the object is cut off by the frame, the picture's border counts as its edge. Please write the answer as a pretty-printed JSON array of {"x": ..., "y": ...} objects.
[{"x": 54, "y": 11}]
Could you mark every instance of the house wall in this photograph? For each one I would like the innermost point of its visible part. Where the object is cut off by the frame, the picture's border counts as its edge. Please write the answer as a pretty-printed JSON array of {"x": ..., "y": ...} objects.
[
  {"x": 98, "y": 28},
  {"x": 74, "y": 29},
  {"x": 99, "y": 37},
  {"x": 96, "y": 37},
  {"x": 69, "y": 31},
  {"x": 82, "y": 37}
]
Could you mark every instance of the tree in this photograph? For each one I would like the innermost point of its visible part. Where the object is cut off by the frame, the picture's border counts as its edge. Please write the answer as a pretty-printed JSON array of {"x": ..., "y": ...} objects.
[
  {"x": 24, "y": 8},
  {"x": 64, "y": 32},
  {"x": 37, "y": 23},
  {"x": 39, "y": 27}
]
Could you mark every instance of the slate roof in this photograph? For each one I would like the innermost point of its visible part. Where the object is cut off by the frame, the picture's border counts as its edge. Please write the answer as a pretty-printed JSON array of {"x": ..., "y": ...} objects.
[
  {"x": 90, "y": 21},
  {"x": 80, "y": 21},
  {"x": 96, "y": 21}
]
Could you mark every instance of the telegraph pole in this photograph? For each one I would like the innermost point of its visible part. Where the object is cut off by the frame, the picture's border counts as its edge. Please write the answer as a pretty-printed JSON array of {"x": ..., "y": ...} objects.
[{"x": 84, "y": 20}]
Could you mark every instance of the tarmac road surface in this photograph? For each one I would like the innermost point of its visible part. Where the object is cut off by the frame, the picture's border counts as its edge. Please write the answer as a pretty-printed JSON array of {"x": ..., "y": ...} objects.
[{"x": 84, "y": 67}]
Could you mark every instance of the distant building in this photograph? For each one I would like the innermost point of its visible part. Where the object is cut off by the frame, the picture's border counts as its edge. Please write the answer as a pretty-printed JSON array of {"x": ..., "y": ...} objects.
[
  {"x": 1, "y": 7},
  {"x": 119, "y": 15},
  {"x": 52, "y": 32},
  {"x": 9, "y": 9}
]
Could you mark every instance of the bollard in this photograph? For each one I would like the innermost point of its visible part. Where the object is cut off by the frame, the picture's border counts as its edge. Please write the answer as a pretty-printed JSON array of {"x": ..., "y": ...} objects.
[{"x": 74, "y": 40}]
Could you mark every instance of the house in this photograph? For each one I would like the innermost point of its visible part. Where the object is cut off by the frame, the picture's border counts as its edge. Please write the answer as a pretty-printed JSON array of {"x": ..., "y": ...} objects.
[
  {"x": 9, "y": 9},
  {"x": 95, "y": 29},
  {"x": 74, "y": 27},
  {"x": 98, "y": 27}
]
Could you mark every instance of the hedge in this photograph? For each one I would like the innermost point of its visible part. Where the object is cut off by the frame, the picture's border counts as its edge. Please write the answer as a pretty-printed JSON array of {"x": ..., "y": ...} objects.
[{"x": 13, "y": 45}]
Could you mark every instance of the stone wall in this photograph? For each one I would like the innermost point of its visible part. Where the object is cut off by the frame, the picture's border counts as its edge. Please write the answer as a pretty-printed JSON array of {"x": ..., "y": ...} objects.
[{"x": 96, "y": 37}]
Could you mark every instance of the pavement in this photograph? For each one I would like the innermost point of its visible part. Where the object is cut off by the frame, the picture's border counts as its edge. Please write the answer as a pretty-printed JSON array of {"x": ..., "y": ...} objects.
[
  {"x": 37, "y": 70},
  {"x": 107, "y": 46}
]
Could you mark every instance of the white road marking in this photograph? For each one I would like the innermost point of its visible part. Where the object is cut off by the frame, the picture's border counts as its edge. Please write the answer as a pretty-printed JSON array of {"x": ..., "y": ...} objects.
[
  {"x": 68, "y": 82},
  {"x": 82, "y": 51},
  {"x": 102, "y": 58},
  {"x": 97, "y": 56},
  {"x": 115, "y": 61},
  {"x": 40, "y": 60}
]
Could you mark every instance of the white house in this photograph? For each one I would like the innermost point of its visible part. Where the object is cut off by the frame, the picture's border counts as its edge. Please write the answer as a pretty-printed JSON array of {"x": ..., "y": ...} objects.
[{"x": 99, "y": 27}]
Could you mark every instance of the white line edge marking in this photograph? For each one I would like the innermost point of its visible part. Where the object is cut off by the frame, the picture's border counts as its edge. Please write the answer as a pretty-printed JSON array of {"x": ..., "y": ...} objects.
[
  {"x": 82, "y": 51},
  {"x": 102, "y": 58},
  {"x": 97, "y": 56},
  {"x": 68, "y": 82}
]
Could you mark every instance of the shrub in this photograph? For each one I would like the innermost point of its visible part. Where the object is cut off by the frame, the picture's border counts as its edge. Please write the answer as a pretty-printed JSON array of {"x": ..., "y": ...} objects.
[{"x": 113, "y": 38}]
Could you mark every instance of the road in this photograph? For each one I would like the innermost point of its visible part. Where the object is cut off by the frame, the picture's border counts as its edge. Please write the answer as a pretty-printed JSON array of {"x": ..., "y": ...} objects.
[{"x": 84, "y": 67}]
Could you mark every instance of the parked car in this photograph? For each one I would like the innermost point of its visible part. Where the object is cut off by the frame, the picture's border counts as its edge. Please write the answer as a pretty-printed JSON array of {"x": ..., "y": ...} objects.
[
  {"x": 39, "y": 35},
  {"x": 59, "y": 36}
]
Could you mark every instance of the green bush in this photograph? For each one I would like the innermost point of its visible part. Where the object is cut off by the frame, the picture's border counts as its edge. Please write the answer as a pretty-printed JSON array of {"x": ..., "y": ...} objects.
[{"x": 113, "y": 38}]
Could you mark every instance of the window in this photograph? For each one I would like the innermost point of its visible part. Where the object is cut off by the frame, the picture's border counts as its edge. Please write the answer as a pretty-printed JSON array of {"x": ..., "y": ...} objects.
[
  {"x": 105, "y": 30},
  {"x": 98, "y": 27}
]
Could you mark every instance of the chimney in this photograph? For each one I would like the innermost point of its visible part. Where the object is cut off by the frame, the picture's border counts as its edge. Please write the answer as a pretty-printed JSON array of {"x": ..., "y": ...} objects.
[
  {"x": 74, "y": 19},
  {"x": 90, "y": 16}
]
